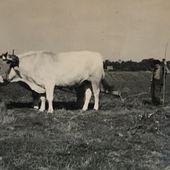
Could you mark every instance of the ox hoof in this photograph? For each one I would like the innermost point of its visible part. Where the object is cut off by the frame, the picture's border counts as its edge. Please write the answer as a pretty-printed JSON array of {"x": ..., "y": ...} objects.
[
  {"x": 41, "y": 110},
  {"x": 50, "y": 111},
  {"x": 84, "y": 109},
  {"x": 36, "y": 107},
  {"x": 96, "y": 109}
]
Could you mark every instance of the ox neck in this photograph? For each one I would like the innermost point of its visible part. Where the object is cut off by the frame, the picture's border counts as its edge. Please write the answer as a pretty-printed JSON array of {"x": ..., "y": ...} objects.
[
  {"x": 14, "y": 75},
  {"x": 16, "y": 69}
]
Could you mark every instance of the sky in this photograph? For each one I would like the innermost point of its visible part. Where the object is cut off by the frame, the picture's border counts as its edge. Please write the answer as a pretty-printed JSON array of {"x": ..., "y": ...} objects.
[{"x": 118, "y": 29}]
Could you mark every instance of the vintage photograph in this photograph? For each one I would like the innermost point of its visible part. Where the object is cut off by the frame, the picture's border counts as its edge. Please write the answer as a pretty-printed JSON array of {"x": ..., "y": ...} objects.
[{"x": 85, "y": 85}]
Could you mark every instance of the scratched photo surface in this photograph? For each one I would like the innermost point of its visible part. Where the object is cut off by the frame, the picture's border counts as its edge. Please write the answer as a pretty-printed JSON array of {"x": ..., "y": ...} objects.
[{"x": 78, "y": 86}]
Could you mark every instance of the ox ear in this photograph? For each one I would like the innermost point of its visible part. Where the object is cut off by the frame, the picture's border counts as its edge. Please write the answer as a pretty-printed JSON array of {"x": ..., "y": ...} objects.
[{"x": 4, "y": 56}]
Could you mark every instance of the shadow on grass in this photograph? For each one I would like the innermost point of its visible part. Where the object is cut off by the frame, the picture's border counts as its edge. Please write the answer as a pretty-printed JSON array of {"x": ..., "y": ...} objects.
[{"x": 56, "y": 105}]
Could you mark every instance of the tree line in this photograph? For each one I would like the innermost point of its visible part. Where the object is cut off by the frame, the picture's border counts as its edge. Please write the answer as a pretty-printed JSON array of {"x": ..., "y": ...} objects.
[{"x": 144, "y": 65}]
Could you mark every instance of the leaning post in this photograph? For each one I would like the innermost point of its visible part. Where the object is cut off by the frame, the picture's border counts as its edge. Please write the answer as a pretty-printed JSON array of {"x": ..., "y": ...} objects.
[{"x": 164, "y": 76}]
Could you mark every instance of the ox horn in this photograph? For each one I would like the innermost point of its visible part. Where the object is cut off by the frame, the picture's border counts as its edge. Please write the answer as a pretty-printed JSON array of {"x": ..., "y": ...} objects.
[{"x": 13, "y": 59}]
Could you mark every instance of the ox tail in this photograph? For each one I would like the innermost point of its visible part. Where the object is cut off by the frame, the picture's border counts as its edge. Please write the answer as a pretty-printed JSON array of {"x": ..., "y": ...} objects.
[
  {"x": 102, "y": 79},
  {"x": 103, "y": 74}
]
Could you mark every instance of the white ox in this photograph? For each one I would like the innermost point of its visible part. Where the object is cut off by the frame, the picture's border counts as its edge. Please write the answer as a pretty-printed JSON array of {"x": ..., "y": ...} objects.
[{"x": 42, "y": 71}]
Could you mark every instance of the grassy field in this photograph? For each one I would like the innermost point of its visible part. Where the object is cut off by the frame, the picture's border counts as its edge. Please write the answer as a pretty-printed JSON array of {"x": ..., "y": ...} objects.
[{"x": 120, "y": 136}]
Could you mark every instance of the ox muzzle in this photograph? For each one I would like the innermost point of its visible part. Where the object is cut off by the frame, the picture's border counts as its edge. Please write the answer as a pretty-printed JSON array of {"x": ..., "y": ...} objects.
[
  {"x": 1, "y": 79},
  {"x": 4, "y": 81}
]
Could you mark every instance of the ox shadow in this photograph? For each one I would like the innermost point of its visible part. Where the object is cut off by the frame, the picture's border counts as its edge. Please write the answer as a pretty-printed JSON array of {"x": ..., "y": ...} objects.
[
  {"x": 56, "y": 105},
  {"x": 25, "y": 103}
]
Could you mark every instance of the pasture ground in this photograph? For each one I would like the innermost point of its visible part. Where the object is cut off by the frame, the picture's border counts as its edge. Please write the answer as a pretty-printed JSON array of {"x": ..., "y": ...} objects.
[{"x": 120, "y": 136}]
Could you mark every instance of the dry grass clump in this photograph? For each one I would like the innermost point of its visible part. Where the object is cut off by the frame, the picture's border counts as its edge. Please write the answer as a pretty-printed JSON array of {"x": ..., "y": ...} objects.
[
  {"x": 6, "y": 116},
  {"x": 3, "y": 112}
]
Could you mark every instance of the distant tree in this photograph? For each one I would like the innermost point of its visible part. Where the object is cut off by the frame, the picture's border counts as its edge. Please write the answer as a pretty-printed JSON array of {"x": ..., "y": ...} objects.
[
  {"x": 144, "y": 65},
  {"x": 116, "y": 66},
  {"x": 147, "y": 64}
]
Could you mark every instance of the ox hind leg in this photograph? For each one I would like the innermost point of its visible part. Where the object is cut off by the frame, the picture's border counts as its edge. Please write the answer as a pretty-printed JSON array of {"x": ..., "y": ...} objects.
[
  {"x": 96, "y": 91},
  {"x": 88, "y": 94},
  {"x": 84, "y": 94},
  {"x": 49, "y": 97}
]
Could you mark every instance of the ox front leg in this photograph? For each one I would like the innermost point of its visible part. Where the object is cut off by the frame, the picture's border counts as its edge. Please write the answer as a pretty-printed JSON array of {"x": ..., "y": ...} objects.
[
  {"x": 96, "y": 91},
  {"x": 49, "y": 94},
  {"x": 42, "y": 106},
  {"x": 88, "y": 94}
]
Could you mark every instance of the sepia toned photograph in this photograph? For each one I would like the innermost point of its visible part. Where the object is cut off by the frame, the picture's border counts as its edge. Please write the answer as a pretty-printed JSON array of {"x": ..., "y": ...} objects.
[{"x": 85, "y": 85}]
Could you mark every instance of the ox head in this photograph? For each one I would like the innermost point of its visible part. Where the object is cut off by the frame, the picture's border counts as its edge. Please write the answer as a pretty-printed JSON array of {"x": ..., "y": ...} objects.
[{"x": 7, "y": 61}]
